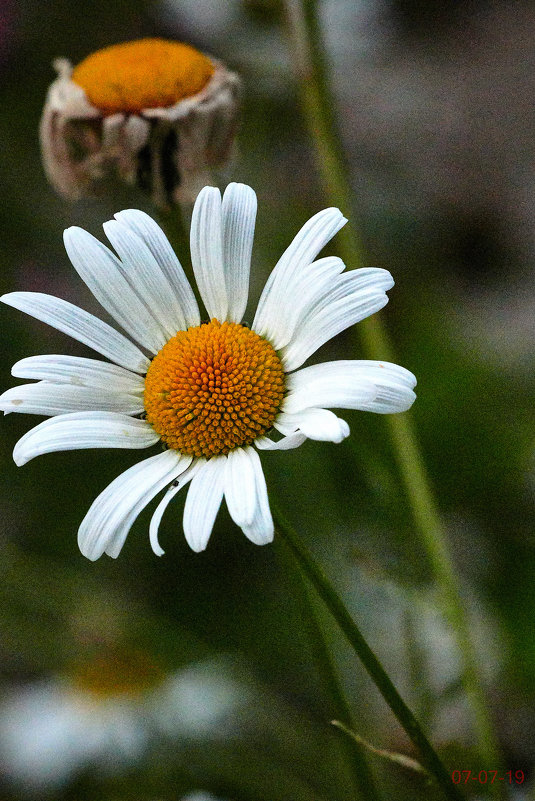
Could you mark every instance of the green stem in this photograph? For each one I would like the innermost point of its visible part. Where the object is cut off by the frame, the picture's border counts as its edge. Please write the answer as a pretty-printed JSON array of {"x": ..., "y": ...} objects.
[
  {"x": 318, "y": 108},
  {"x": 361, "y": 772},
  {"x": 377, "y": 673}
]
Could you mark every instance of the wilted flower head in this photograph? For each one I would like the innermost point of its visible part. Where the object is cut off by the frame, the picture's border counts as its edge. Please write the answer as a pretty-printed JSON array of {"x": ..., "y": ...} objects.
[{"x": 152, "y": 112}]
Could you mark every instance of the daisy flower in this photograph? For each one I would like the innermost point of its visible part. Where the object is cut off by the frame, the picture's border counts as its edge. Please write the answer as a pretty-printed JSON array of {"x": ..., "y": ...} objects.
[
  {"x": 153, "y": 112},
  {"x": 212, "y": 393},
  {"x": 109, "y": 714}
]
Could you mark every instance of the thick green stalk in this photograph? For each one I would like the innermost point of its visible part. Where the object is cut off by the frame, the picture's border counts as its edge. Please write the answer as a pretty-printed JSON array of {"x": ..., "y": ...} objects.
[
  {"x": 362, "y": 776},
  {"x": 318, "y": 108},
  {"x": 377, "y": 673}
]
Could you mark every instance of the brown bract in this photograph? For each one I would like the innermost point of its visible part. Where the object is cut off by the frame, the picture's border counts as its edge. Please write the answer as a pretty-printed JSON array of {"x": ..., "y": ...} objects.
[{"x": 168, "y": 150}]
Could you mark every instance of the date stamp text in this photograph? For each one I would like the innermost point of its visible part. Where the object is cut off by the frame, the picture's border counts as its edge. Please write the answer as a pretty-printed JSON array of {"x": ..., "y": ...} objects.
[{"x": 487, "y": 776}]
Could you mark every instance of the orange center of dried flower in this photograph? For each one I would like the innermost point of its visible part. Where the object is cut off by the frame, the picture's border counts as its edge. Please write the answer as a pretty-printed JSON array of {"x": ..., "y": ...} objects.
[
  {"x": 213, "y": 388},
  {"x": 149, "y": 73}
]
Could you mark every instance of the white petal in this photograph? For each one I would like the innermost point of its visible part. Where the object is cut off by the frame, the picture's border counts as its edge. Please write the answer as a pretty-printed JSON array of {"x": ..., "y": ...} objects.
[
  {"x": 261, "y": 530},
  {"x": 311, "y": 283},
  {"x": 318, "y": 328},
  {"x": 394, "y": 387},
  {"x": 113, "y": 512},
  {"x": 239, "y": 215},
  {"x": 202, "y": 504},
  {"x": 102, "y": 272},
  {"x": 337, "y": 384},
  {"x": 175, "y": 487},
  {"x": 365, "y": 281},
  {"x": 50, "y": 399},
  {"x": 239, "y": 486},
  {"x": 331, "y": 384},
  {"x": 145, "y": 276},
  {"x": 79, "y": 371},
  {"x": 80, "y": 325},
  {"x": 158, "y": 244},
  {"x": 319, "y": 424},
  {"x": 206, "y": 241},
  {"x": 312, "y": 237},
  {"x": 285, "y": 444},
  {"x": 67, "y": 432},
  {"x": 286, "y": 424}
]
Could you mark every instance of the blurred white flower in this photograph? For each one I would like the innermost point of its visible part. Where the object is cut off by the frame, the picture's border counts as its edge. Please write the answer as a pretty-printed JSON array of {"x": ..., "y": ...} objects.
[
  {"x": 200, "y": 796},
  {"x": 257, "y": 47},
  {"x": 198, "y": 701},
  {"x": 206, "y": 19},
  {"x": 52, "y": 730}
]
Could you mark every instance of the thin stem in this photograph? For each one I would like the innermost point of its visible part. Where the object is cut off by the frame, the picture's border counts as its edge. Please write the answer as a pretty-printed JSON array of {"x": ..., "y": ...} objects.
[
  {"x": 318, "y": 108},
  {"x": 377, "y": 673},
  {"x": 361, "y": 772}
]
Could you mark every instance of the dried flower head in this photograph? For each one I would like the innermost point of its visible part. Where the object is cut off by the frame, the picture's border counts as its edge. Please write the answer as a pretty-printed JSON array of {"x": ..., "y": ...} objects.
[{"x": 152, "y": 112}]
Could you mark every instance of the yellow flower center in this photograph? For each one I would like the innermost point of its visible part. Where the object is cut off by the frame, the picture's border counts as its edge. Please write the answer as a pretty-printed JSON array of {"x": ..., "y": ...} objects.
[
  {"x": 213, "y": 388},
  {"x": 149, "y": 73}
]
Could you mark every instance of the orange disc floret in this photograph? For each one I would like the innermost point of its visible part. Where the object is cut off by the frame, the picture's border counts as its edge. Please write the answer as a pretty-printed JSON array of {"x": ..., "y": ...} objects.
[
  {"x": 213, "y": 388},
  {"x": 148, "y": 73}
]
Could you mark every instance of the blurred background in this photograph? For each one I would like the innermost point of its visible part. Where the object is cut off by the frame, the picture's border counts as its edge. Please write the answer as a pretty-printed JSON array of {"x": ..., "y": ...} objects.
[{"x": 148, "y": 679}]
